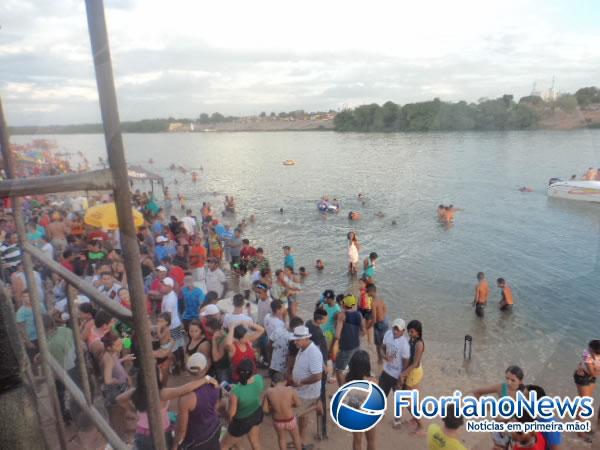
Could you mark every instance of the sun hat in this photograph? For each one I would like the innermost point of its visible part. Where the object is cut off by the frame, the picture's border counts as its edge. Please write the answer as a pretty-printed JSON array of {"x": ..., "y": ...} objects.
[{"x": 300, "y": 332}]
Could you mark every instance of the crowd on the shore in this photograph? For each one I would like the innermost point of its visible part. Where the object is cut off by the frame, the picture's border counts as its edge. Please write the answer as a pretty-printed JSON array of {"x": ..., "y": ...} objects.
[{"x": 235, "y": 323}]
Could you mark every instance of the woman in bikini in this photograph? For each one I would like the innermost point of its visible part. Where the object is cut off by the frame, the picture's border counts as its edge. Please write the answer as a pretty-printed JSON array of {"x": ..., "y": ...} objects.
[
  {"x": 413, "y": 374},
  {"x": 587, "y": 371},
  {"x": 514, "y": 382}
]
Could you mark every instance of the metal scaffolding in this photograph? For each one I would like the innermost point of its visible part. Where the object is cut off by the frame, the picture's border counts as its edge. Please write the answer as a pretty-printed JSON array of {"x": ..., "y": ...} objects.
[{"x": 114, "y": 178}]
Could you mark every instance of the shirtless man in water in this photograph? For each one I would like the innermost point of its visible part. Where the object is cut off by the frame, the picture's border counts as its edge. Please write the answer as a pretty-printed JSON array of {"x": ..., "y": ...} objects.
[
  {"x": 380, "y": 325},
  {"x": 281, "y": 401},
  {"x": 506, "y": 303},
  {"x": 482, "y": 291}
]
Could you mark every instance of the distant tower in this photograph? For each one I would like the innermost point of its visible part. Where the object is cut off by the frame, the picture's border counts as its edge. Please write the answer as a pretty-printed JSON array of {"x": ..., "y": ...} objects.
[
  {"x": 552, "y": 93},
  {"x": 534, "y": 91}
]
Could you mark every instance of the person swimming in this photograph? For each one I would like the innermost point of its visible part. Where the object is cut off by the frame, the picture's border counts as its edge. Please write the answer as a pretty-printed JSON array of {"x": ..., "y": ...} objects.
[
  {"x": 354, "y": 215},
  {"x": 525, "y": 189},
  {"x": 319, "y": 265},
  {"x": 380, "y": 215}
]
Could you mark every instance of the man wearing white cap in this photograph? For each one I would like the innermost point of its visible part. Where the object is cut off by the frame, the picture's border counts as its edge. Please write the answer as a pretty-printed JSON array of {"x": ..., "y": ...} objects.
[
  {"x": 306, "y": 375},
  {"x": 170, "y": 304},
  {"x": 161, "y": 250},
  {"x": 197, "y": 417},
  {"x": 397, "y": 354}
]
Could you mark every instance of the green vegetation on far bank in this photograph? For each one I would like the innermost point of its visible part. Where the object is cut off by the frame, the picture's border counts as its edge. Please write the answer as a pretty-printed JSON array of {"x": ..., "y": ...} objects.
[{"x": 498, "y": 114}]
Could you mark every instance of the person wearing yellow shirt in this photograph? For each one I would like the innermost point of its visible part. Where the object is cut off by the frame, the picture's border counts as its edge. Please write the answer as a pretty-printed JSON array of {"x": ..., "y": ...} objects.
[{"x": 446, "y": 437}]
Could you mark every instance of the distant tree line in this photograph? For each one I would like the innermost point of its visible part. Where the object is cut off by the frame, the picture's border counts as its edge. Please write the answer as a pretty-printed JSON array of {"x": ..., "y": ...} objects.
[{"x": 498, "y": 114}]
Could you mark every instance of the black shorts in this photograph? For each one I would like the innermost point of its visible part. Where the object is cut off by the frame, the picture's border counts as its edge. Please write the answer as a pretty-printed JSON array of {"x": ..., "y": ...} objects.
[
  {"x": 379, "y": 331},
  {"x": 479, "y": 310},
  {"x": 366, "y": 313},
  {"x": 387, "y": 382},
  {"x": 583, "y": 380},
  {"x": 240, "y": 427}
]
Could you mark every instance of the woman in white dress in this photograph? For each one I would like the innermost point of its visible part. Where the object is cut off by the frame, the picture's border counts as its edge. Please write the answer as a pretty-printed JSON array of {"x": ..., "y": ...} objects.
[{"x": 353, "y": 249}]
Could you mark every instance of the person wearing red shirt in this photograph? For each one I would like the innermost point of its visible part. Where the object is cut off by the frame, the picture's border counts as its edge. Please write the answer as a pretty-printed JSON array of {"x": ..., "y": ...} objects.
[
  {"x": 67, "y": 260},
  {"x": 175, "y": 272},
  {"x": 247, "y": 252},
  {"x": 531, "y": 440}
]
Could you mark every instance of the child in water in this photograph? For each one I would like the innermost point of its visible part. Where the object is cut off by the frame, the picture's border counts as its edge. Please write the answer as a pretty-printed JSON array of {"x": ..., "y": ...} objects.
[{"x": 319, "y": 265}]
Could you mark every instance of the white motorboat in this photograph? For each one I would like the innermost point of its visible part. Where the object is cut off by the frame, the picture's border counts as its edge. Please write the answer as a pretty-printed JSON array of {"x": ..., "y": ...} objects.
[{"x": 582, "y": 190}]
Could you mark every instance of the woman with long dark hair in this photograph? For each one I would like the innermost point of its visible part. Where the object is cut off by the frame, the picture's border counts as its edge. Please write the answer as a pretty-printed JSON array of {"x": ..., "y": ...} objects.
[
  {"x": 245, "y": 407},
  {"x": 413, "y": 374},
  {"x": 514, "y": 383},
  {"x": 359, "y": 368},
  {"x": 587, "y": 371}
]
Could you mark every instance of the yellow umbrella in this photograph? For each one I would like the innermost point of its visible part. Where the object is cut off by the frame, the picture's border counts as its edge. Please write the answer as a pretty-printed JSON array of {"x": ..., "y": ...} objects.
[{"x": 105, "y": 216}]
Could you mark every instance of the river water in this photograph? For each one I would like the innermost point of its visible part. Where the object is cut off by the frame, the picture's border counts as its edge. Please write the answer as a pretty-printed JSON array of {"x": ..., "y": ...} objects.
[{"x": 548, "y": 250}]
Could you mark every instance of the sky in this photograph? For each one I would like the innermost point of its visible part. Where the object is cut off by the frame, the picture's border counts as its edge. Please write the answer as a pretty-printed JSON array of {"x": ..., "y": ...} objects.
[{"x": 182, "y": 58}]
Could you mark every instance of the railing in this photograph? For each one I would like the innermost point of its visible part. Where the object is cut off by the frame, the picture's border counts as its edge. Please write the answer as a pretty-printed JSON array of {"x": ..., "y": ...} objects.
[{"x": 114, "y": 178}]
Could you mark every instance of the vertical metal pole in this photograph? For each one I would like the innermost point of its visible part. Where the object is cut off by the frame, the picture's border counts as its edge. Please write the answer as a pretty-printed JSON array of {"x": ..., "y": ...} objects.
[
  {"x": 129, "y": 244},
  {"x": 36, "y": 301},
  {"x": 73, "y": 316}
]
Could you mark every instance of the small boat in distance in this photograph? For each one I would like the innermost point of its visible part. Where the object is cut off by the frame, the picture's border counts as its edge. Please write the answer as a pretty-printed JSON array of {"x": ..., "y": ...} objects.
[
  {"x": 289, "y": 162},
  {"x": 582, "y": 190}
]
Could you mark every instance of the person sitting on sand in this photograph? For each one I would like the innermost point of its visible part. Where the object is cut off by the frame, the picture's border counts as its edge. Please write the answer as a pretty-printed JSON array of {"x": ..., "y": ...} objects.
[
  {"x": 319, "y": 265},
  {"x": 281, "y": 400}
]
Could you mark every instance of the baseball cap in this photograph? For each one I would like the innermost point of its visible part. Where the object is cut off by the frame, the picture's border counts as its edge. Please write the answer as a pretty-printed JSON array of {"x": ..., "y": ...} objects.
[
  {"x": 196, "y": 363},
  {"x": 168, "y": 282},
  {"x": 300, "y": 332},
  {"x": 210, "y": 310},
  {"x": 161, "y": 269},
  {"x": 399, "y": 323},
  {"x": 262, "y": 286},
  {"x": 161, "y": 239},
  {"x": 328, "y": 293},
  {"x": 349, "y": 301}
]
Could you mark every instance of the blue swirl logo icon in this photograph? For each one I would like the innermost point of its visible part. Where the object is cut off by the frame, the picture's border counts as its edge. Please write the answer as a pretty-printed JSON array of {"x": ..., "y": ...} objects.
[{"x": 358, "y": 406}]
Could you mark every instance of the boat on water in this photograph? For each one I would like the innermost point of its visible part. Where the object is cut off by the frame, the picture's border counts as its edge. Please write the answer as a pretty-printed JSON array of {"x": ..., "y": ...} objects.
[
  {"x": 289, "y": 162},
  {"x": 581, "y": 190}
]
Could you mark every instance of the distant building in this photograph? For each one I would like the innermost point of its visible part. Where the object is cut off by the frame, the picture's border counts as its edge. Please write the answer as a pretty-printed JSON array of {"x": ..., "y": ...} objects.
[{"x": 178, "y": 127}]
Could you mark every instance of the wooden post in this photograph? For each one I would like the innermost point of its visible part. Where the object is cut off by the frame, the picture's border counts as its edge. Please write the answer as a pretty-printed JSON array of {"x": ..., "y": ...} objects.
[{"x": 131, "y": 252}]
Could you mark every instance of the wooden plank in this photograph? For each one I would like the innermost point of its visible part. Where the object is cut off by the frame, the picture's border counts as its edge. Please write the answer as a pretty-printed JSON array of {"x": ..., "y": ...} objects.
[
  {"x": 81, "y": 285},
  {"x": 96, "y": 180}
]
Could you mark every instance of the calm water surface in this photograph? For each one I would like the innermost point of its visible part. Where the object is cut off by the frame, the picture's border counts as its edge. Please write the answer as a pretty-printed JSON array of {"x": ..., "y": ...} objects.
[{"x": 547, "y": 250}]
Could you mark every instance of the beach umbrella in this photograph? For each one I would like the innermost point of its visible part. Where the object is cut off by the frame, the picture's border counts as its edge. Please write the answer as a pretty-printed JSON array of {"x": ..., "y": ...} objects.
[{"x": 105, "y": 216}]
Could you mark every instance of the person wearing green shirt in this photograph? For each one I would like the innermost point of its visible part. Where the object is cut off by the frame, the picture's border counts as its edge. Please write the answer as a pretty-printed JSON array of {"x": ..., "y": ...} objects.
[{"x": 245, "y": 407}]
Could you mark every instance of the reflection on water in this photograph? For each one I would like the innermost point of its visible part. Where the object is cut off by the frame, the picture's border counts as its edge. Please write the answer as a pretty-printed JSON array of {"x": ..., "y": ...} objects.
[{"x": 546, "y": 249}]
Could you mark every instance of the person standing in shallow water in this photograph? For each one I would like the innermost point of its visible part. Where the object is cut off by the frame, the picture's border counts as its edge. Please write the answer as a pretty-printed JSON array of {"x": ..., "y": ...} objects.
[
  {"x": 482, "y": 292},
  {"x": 353, "y": 249},
  {"x": 507, "y": 301}
]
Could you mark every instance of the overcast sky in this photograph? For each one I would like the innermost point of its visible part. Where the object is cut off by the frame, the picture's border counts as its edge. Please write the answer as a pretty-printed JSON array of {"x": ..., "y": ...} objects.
[{"x": 181, "y": 58}]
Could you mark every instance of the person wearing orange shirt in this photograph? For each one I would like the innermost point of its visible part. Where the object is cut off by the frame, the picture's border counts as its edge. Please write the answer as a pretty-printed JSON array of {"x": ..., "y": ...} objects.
[
  {"x": 482, "y": 292},
  {"x": 506, "y": 304}
]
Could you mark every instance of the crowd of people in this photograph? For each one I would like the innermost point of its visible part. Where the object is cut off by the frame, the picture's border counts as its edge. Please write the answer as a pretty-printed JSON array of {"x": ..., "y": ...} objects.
[{"x": 231, "y": 339}]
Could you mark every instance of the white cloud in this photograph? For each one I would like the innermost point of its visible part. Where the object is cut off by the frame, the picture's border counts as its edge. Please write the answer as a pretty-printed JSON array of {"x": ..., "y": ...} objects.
[{"x": 185, "y": 57}]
